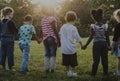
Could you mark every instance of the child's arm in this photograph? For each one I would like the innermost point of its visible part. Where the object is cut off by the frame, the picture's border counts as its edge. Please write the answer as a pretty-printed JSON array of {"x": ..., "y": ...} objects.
[
  {"x": 107, "y": 39},
  {"x": 89, "y": 39},
  {"x": 37, "y": 38},
  {"x": 54, "y": 27}
]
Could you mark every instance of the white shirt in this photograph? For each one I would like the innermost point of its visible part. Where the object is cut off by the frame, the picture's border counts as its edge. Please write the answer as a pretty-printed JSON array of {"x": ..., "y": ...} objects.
[{"x": 68, "y": 36}]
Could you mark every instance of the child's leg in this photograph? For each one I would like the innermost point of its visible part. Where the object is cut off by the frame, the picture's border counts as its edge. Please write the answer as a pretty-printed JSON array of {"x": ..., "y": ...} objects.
[
  {"x": 118, "y": 64},
  {"x": 47, "y": 55},
  {"x": 26, "y": 54},
  {"x": 104, "y": 58},
  {"x": 96, "y": 58},
  {"x": 53, "y": 49},
  {"x": 4, "y": 54},
  {"x": 10, "y": 51}
]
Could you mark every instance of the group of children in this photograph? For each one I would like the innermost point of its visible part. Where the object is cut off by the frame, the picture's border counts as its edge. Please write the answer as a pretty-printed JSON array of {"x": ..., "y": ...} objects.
[{"x": 66, "y": 38}]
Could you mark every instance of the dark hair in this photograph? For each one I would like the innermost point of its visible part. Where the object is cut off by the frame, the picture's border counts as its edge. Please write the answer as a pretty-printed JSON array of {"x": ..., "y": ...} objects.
[
  {"x": 5, "y": 11},
  {"x": 97, "y": 15},
  {"x": 28, "y": 18},
  {"x": 70, "y": 16}
]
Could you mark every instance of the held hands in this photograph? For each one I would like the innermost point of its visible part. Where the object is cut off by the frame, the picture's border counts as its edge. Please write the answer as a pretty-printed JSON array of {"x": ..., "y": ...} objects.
[
  {"x": 84, "y": 47},
  {"x": 39, "y": 41}
]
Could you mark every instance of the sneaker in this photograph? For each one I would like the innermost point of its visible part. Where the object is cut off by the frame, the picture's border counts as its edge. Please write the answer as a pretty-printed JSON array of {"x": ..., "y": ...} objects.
[
  {"x": 71, "y": 74},
  {"x": 52, "y": 70},
  {"x": 74, "y": 74},
  {"x": 118, "y": 73},
  {"x": 12, "y": 70}
]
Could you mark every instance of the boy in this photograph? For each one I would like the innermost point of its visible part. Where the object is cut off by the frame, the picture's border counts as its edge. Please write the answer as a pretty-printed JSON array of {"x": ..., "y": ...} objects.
[
  {"x": 25, "y": 34},
  {"x": 68, "y": 33}
]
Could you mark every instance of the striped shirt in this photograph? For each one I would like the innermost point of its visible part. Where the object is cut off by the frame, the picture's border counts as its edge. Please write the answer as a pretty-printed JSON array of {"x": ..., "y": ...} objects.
[{"x": 47, "y": 28}]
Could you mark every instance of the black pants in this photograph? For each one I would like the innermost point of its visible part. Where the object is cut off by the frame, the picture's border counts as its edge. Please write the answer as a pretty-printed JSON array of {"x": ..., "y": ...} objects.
[{"x": 100, "y": 51}]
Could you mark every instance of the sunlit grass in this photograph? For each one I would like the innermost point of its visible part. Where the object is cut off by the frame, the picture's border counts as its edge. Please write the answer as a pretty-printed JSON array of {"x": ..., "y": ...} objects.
[{"x": 36, "y": 66}]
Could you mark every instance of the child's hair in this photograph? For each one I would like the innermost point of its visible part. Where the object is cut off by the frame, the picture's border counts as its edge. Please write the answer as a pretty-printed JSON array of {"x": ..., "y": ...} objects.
[
  {"x": 28, "y": 18},
  {"x": 97, "y": 15},
  {"x": 5, "y": 11},
  {"x": 117, "y": 15},
  {"x": 70, "y": 16}
]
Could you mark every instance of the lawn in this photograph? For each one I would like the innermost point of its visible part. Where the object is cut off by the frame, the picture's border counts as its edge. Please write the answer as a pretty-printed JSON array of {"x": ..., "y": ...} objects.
[{"x": 36, "y": 67}]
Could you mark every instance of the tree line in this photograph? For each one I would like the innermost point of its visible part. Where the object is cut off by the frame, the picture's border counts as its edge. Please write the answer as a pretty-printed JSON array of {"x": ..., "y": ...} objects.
[{"x": 81, "y": 7}]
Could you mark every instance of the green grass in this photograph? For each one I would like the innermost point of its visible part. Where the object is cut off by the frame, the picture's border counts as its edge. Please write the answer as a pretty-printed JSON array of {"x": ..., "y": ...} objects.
[{"x": 36, "y": 66}]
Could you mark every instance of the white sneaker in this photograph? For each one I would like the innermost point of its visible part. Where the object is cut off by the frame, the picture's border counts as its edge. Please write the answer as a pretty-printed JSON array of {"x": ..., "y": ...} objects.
[
  {"x": 118, "y": 73},
  {"x": 74, "y": 74},
  {"x": 69, "y": 73}
]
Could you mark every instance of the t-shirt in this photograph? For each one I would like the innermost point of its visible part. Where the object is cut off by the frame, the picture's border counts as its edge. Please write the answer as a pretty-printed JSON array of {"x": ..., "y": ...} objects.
[
  {"x": 25, "y": 34},
  {"x": 116, "y": 36},
  {"x": 47, "y": 30},
  {"x": 68, "y": 36},
  {"x": 99, "y": 32}
]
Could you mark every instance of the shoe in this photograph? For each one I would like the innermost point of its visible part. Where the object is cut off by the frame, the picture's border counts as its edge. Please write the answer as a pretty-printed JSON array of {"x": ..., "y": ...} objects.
[
  {"x": 74, "y": 74},
  {"x": 52, "y": 71},
  {"x": 69, "y": 73},
  {"x": 6, "y": 69},
  {"x": 12, "y": 70},
  {"x": 118, "y": 73}
]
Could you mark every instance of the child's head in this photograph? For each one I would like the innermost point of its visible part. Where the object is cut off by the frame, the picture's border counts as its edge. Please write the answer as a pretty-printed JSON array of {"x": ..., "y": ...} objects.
[
  {"x": 97, "y": 15},
  {"x": 28, "y": 18},
  {"x": 70, "y": 16},
  {"x": 117, "y": 15},
  {"x": 7, "y": 12}
]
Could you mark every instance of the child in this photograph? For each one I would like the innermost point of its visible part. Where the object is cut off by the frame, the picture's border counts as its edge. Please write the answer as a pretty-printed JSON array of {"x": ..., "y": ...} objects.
[
  {"x": 25, "y": 34},
  {"x": 116, "y": 39},
  {"x": 99, "y": 32},
  {"x": 8, "y": 30},
  {"x": 68, "y": 33},
  {"x": 0, "y": 42},
  {"x": 50, "y": 39}
]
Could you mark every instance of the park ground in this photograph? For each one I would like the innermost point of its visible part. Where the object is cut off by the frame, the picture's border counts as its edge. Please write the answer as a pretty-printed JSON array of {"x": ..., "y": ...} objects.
[{"x": 36, "y": 66}]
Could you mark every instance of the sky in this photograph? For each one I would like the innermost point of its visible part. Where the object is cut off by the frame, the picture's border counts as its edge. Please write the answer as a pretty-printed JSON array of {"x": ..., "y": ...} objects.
[{"x": 54, "y": 1}]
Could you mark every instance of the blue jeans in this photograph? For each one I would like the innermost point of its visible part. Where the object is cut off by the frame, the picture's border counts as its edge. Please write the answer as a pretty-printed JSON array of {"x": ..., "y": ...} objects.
[
  {"x": 50, "y": 53},
  {"x": 26, "y": 53},
  {"x": 7, "y": 50},
  {"x": 0, "y": 52}
]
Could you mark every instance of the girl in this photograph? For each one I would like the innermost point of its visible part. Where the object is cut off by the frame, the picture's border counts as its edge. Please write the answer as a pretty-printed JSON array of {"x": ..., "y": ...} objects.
[
  {"x": 99, "y": 32},
  {"x": 116, "y": 39},
  {"x": 8, "y": 30}
]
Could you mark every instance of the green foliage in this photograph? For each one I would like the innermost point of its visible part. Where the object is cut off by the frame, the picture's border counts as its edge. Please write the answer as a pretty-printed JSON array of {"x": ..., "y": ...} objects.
[{"x": 81, "y": 7}]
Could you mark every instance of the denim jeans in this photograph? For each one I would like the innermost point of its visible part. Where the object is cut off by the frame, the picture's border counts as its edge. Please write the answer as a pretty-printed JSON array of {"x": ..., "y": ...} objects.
[
  {"x": 0, "y": 52},
  {"x": 100, "y": 51},
  {"x": 7, "y": 50},
  {"x": 50, "y": 53},
  {"x": 26, "y": 53}
]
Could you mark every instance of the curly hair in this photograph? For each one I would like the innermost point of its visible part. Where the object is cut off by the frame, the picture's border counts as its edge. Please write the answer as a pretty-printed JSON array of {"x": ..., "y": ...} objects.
[{"x": 97, "y": 15}]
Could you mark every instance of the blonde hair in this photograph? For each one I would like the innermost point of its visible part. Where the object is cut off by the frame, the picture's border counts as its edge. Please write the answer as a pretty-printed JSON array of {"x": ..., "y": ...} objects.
[
  {"x": 70, "y": 16},
  {"x": 5, "y": 11},
  {"x": 116, "y": 15}
]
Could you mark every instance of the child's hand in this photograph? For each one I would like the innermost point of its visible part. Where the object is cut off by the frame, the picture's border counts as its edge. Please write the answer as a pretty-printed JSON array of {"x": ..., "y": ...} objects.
[
  {"x": 84, "y": 47},
  {"x": 39, "y": 41}
]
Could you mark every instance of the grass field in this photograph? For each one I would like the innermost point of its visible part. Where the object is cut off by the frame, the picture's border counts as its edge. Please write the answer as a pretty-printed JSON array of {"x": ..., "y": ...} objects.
[{"x": 36, "y": 67}]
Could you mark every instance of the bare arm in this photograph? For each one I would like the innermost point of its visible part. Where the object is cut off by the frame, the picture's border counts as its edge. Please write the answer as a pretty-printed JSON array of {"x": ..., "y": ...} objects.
[
  {"x": 89, "y": 39},
  {"x": 37, "y": 38}
]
